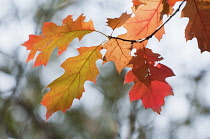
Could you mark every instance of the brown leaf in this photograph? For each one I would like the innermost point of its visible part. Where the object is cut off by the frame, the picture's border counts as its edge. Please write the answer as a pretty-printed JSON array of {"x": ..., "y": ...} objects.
[
  {"x": 199, "y": 22},
  {"x": 118, "y": 22}
]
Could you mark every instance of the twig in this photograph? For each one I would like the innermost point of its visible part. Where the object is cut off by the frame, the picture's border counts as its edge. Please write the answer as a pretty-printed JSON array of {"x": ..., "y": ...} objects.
[{"x": 150, "y": 36}]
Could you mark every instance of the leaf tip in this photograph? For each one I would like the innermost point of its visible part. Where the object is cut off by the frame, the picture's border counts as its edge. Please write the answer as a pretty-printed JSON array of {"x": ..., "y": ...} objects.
[
  {"x": 157, "y": 110},
  {"x": 60, "y": 52},
  {"x": 39, "y": 64},
  {"x": 48, "y": 114}
]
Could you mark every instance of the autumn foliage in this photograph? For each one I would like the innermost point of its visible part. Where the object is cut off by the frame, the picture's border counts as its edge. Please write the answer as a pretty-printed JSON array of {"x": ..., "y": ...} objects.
[{"x": 147, "y": 73}]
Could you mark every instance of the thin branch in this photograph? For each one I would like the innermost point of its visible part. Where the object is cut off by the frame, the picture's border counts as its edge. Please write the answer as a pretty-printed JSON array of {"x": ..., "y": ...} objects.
[{"x": 150, "y": 36}]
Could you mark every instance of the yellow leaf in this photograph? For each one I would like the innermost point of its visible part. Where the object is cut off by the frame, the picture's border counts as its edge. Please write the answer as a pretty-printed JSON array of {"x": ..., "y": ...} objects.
[
  {"x": 70, "y": 85},
  {"x": 56, "y": 36}
]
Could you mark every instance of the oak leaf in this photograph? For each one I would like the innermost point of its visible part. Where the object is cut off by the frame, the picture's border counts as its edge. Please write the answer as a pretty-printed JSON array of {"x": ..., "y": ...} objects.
[
  {"x": 118, "y": 51},
  {"x": 69, "y": 86},
  {"x": 149, "y": 79},
  {"x": 118, "y": 22},
  {"x": 166, "y": 9},
  {"x": 172, "y": 2},
  {"x": 137, "y": 3},
  {"x": 168, "y": 6},
  {"x": 199, "y": 22},
  {"x": 146, "y": 20},
  {"x": 152, "y": 96},
  {"x": 56, "y": 36},
  {"x": 147, "y": 73}
]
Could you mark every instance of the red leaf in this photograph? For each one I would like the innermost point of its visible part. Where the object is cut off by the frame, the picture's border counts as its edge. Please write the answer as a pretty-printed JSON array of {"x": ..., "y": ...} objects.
[
  {"x": 152, "y": 96},
  {"x": 149, "y": 77}
]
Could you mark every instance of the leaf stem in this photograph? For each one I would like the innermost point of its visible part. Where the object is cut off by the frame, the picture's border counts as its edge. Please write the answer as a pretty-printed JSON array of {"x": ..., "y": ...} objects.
[{"x": 103, "y": 34}]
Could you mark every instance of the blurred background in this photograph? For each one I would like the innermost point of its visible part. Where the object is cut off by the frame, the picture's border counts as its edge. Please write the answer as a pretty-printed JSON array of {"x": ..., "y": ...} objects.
[{"x": 104, "y": 111}]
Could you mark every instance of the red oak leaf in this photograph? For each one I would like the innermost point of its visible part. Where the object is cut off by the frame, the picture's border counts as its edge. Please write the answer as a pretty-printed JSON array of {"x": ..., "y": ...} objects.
[
  {"x": 149, "y": 79},
  {"x": 152, "y": 96}
]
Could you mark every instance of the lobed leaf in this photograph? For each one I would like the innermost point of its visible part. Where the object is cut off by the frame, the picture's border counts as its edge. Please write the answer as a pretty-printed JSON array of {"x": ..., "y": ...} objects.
[
  {"x": 149, "y": 79},
  {"x": 70, "y": 85},
  {"x": 118, "y": 22},
  {"x": 147, "y": 73},
  {"x": 172, "y": 2},
  {"x": 199, "y": 22},
  {"x": 136, "y": 2},
  {"x": 118, "y": 51},
  {"x": 146, "y": 20},
  {"x": 56, "y": 36}
]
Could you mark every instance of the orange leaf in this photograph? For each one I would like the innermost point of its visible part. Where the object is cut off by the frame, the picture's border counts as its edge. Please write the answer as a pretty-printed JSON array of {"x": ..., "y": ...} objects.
[
  {"x": 146, "y": 20},
  {"x": 199, "y": 22},
  {"x": 69, "y": 86},
  {"x": 118, "y": 22},
  {"x": 172, "y": 2},
  {"x": 119, "y": 52},
  {"x": 137, "y": 3},
  {"x": 56, "y": 36},
  {"x": 149, "y": 78}
]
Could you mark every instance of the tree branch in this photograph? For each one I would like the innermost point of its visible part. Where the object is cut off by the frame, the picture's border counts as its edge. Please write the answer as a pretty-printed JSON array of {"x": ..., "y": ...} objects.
[{"x": 152, "y": 34}]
